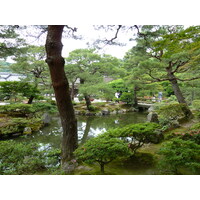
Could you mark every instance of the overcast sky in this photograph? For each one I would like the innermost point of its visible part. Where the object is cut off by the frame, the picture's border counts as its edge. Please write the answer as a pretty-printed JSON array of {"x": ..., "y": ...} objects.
[{"x": 89, "y": 35}]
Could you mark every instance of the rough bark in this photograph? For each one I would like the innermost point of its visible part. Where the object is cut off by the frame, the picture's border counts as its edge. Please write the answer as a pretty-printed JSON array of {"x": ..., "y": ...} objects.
[
  {"x": 177, "y": 91},
  {"x": 62, "y": 94}
]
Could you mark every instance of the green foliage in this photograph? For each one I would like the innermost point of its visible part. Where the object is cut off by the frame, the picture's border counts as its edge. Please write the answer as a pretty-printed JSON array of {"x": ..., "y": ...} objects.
[
  {"x": 20, "y": 109},
  {"x": 19, "y": 158},
  {"x": 17, "y": 125},
  {"x": 42, "y": 107},
  {"x": 177, "y": 154},
  {"x": 171, "y": 114},
  {"x": 138, "y": 134},
  {"x": 102, "y": 150},
  {"x": 14, "y": 89},
  {"x": 16, "y": 109},
  {"x": 127, "y": 97},
  {"x": 11, "y": 43},
  {"x": 196, "y": 104},
  {"x": 26, "y": 158}
]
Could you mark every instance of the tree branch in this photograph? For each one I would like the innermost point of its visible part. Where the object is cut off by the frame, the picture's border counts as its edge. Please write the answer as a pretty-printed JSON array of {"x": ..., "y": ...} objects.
[
  {"x": 180, "y": 64},
  {"x": 198, "y": 77},
  {"x": 115, "y": 37}
]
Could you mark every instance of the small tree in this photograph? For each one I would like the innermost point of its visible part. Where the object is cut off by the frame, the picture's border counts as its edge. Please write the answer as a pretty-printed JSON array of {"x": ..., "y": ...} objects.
[
  {"x": 102, "y": 150},
  {"x": 179, "y": 153},
  {"x": 14, "y": 89},
  {"x": 137, "y": 134}
]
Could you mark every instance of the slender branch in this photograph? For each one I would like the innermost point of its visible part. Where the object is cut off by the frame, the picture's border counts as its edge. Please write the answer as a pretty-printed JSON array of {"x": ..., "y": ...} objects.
[
  {"x": 115, "y": 37},
  {"x": 198, "y": 77},
  {"x": 179, "y": 65}
]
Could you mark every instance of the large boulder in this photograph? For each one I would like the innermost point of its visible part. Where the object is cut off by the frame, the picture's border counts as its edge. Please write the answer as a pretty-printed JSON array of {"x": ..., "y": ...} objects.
[
  {"x": 105, "y": 112},
  {"x": 152, "y": 117},
  {"x": 46, "y": 119}
]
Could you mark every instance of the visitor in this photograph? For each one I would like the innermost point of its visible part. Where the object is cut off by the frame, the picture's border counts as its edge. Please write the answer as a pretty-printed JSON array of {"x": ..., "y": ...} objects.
[{"x": 159, "y": 96}]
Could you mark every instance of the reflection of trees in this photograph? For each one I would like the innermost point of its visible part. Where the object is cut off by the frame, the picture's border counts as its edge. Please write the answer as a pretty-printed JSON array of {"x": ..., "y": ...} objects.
[
  {"x": 113, "y": 121},
  {"x": 89, "y": 121},
  {"x": 52, "y": 134}
]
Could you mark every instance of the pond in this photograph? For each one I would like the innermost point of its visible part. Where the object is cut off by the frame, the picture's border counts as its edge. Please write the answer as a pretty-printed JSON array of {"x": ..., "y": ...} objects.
[{"x": 88, "y": 127}]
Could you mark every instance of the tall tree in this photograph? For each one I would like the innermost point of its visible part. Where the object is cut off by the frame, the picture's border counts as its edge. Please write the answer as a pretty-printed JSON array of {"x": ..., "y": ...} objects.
[
  {"x": 31, "y": 64},
  {"x": 91, "y": 68},
  {"x": 166, "y": 52},
  {"x": 60, "y": 84}
]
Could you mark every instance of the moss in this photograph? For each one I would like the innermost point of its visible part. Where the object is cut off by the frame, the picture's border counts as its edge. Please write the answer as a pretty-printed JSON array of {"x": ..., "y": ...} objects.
[{"x": 10, "y": 126}]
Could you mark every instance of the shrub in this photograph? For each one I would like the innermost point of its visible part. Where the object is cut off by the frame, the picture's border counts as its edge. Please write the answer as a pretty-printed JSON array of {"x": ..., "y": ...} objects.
[
  {"x": 137, "y": 134},
  {"x": 17, "y": 125},
  {"x": 26, "y": 158},
  {"x": 102, "y": 150},
  {"x": 170, "y": 115},
  {"x": 196, "y": 104},
  {"x": 177, "y": 154},
  {"x": 19, "y": 158},
  {"x": 17, "y": 109},
  {"x": 127, "y": 97}
]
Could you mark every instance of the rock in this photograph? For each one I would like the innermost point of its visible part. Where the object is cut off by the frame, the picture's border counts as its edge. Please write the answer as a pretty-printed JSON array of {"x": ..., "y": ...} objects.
[
  {"x": 46, "y": 119},
  {"x": 152, "y": 117},
  {"x": 83, "y": 168},
  {"x": 69, "y": 168},
  {"x": 105, "y": 112},
  {"x": 175, "y": 124},
  {"x": 151, "y": 109},
  {"x": 98, "y": 114},
  {"x": 27, "y": 130},
  {"x": 114, "y": 112}
]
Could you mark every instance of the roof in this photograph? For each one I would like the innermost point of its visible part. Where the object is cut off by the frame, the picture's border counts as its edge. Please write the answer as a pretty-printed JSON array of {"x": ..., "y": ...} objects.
[{"x": 8, "y": 76}]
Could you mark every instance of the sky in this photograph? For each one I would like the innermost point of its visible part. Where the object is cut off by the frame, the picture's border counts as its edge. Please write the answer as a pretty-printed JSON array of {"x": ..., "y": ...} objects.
[{"x": 88, "y": 35}]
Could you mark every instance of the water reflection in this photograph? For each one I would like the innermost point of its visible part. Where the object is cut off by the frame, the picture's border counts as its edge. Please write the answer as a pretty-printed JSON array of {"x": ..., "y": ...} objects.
[{"x": 88, "y": 127}]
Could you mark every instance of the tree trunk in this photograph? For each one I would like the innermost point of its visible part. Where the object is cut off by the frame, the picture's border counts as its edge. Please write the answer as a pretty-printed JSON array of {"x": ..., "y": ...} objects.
[
  {"x": 86, "y": 96},
  {"x": 72, "y": 91},
  {"x": 177, "y": 91},
  {"x": 175, "y": 86},
  {"x": 135, "y": 100},
  {"x": 62, "y": 94},
  {"x": 88, "y": 102},
  {"x": 30, "y": 100},
  {"x": 102, "y": 167}
]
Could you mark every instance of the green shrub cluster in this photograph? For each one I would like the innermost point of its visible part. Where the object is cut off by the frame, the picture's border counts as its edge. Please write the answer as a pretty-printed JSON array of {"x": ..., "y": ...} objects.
[
  {"x": 171, "y": 114},
  {"x": 178, "y": 154},
  {"x": 102, "y": 150},
  {"x": 21, "y": 109},
  {"x": 137, "y": 134},
  {"x": 17, "y": 125},
  {"x": 196, "y": 104},
  {"x": 118, "y": 142},
  {"x": 26, "y": 158}
]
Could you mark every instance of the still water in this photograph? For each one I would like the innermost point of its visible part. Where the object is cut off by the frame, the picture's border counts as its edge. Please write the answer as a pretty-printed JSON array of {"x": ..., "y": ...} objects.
[{"x": 88, "y": 127}]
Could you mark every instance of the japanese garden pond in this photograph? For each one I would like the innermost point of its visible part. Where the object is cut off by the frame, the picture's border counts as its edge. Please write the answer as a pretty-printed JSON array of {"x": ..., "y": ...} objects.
[{"x": 88, "y": 127}]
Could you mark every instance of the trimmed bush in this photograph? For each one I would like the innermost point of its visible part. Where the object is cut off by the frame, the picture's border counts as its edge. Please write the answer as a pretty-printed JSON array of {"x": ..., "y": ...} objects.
[
  {"x": 102, "y": 150},
  {"x": 137, "y": 134},
  {"x": 177, "y": 154}
]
